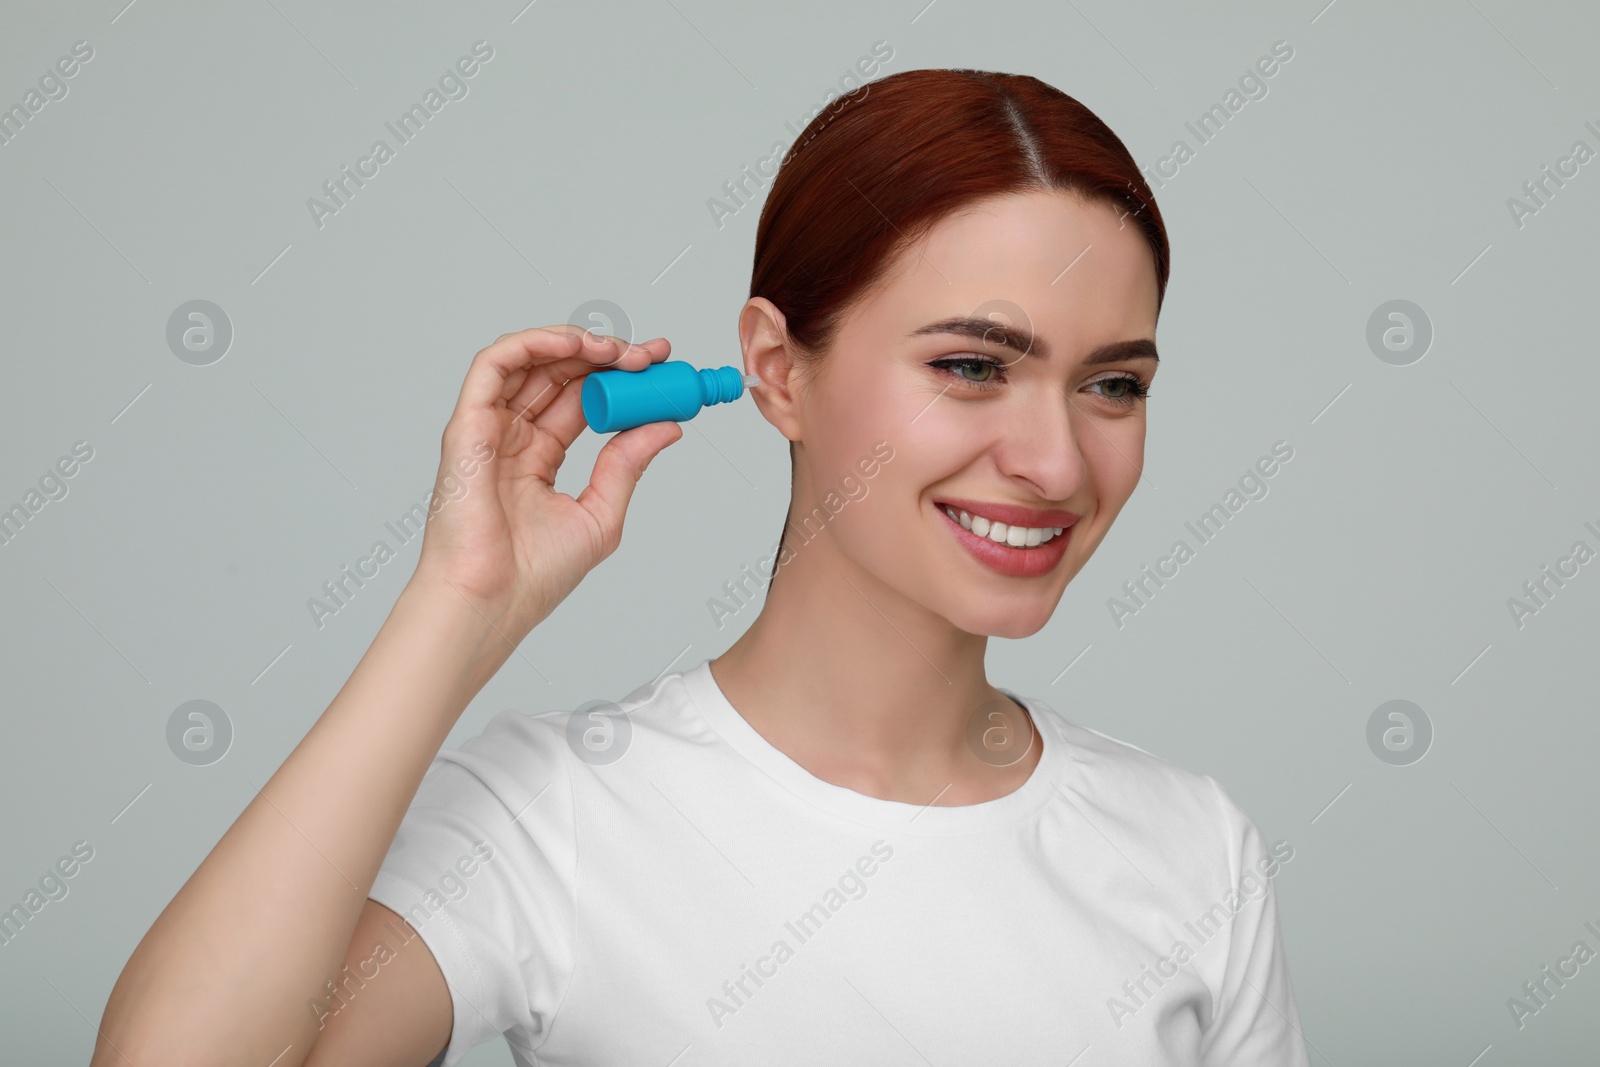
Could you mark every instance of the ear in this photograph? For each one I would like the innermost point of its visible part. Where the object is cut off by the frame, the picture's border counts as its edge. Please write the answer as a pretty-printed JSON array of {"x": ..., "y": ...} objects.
[{"x": 768, "y": 352}]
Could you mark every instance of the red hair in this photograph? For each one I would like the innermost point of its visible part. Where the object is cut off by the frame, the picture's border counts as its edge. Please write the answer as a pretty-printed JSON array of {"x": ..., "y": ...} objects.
[{"x": 873, "y": 172}]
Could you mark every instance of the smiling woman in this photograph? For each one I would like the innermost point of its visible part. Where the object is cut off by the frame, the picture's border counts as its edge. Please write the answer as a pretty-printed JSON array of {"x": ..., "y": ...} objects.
[
  {"x": 962, "y": 270},
  {"x": 850, "y": 221}
]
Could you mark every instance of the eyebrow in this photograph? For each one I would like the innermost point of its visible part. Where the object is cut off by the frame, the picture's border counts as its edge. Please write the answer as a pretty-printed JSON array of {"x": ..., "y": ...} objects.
[{"x": 1023, "y": 341}]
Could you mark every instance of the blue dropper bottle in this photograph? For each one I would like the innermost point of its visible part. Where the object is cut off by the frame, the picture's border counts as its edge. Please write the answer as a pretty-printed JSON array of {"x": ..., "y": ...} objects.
[{"x": 670, "y": 390}]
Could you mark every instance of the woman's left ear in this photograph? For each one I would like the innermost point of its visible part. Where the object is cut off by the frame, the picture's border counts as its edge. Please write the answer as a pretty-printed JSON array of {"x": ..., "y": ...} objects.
[{"x": 764, "y": 337}]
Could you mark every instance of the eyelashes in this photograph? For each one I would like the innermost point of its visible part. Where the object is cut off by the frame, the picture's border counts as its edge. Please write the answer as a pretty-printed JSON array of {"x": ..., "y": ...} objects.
[
  {"x": 1134, "y": 388},
  {"x": 1137, "y": 390},
  {"x": 950, "y": 364}
]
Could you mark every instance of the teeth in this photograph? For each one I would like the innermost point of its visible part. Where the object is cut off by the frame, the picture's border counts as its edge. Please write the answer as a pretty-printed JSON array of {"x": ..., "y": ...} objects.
[{"x": 1000, "y": 533}]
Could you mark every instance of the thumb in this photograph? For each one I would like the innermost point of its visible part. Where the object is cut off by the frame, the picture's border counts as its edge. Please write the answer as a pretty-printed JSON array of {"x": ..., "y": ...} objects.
[{"x": 618, "y": 468}]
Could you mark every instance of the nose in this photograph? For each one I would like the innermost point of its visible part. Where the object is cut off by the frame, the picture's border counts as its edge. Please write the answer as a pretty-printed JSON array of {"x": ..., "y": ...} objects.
[{"x": 1039, "y": 449}]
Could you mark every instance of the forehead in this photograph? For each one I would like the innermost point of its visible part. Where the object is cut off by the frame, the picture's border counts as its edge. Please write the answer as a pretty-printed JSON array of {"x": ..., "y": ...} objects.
[{"x": 1078, "y": 271}]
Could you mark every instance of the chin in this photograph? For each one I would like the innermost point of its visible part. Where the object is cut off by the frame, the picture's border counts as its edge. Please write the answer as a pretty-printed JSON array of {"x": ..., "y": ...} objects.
[{"x": 995, "y": 620}]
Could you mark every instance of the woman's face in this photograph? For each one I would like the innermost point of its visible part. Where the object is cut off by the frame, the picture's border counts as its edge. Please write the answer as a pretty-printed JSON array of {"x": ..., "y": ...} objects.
[{"x": 1054, "y": 424}]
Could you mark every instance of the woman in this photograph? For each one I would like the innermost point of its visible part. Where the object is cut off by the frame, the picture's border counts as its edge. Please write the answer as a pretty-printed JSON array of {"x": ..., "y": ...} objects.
[{"x": 836, "y": 842}]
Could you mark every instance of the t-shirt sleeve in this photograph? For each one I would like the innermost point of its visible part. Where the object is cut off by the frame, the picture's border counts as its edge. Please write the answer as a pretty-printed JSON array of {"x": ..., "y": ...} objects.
[
  {"x": 484, "y": 866},
  {"x": 1255, "y": 1022}
]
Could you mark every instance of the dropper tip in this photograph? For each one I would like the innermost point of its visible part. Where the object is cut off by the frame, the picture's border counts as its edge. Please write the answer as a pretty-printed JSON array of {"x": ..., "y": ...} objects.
[{"x": 752, "y": 380}]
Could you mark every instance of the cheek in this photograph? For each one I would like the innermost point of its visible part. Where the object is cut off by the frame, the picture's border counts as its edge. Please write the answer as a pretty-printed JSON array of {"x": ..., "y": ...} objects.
[
  {"x": 854, "y": 426},
  {"x": 1113, "y": 454},
  {"x": 854, "y": 412}
]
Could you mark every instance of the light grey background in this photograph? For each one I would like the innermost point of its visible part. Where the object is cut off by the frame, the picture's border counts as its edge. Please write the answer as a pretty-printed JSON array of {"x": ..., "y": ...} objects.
[{"x": 578, "y": 167}]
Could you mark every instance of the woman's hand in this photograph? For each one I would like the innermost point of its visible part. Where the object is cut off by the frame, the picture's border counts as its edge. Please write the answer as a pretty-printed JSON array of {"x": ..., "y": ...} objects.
[
  {"x": 497, "y": 532},
  {"x": 500, "y": 550}
]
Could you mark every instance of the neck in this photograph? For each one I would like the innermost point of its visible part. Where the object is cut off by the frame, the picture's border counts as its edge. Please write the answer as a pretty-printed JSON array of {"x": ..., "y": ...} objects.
[{"x": 865, "y": 688}]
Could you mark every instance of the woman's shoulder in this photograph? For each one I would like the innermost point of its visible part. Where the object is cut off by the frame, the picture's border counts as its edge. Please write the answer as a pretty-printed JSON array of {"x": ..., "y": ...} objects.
[
  {"x": 1129, "y": 782},
  {"x": 517, "y": 745}
]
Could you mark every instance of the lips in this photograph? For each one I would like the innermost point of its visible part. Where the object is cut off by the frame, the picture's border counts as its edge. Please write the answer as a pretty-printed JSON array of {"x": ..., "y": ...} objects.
[
  {"x": 1010, "y": 514},
  {"x": 1004, "y": 559}
]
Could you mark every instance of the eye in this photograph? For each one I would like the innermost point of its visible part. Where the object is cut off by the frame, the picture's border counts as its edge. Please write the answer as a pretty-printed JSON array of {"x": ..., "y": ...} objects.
[
  {"x": 1127, "y": 389},
  {"x": 987, "y": 372},
  {"x": 990, "y": 372}
]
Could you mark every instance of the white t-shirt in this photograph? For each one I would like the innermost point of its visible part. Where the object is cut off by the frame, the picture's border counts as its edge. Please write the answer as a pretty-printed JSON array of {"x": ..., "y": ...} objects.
[{"x": 703, "y": 899}]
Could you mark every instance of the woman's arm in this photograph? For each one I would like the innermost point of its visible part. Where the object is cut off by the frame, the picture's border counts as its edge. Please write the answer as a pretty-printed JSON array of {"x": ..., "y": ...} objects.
[{"x": 231, "y": 970}]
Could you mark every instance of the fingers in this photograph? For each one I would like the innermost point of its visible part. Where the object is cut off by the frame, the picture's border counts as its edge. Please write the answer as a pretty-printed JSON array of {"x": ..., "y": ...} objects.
[
  {"x": 493, "y": 366},
  {"x": 536, "y": 391},
  {"x": 558, "y": 411},
  {"x": 618, "y": 468},
  {"x": 544, "y": 383},
  {"x": 562, "y": 414},
  {"x": 560, "y": 350}
]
